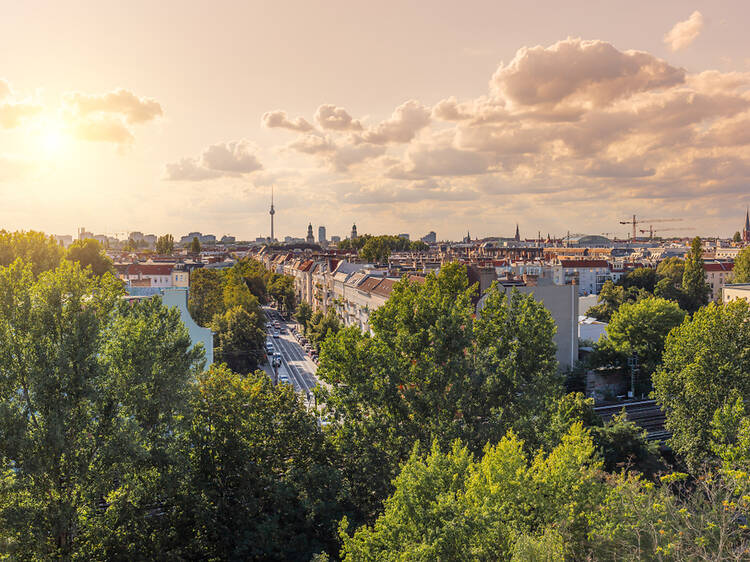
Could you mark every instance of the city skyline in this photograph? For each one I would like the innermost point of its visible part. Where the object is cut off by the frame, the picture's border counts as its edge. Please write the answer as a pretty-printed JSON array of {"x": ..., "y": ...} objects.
[{"x": 457, "y": 121}]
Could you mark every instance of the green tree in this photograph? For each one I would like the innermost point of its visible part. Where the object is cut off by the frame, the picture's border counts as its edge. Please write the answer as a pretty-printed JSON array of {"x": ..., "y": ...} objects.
[
  {"x": 611, "y": 296},
  {"x": 672, "y": 269},
  {"x": 430, "y": 371},
  {"x": 195, "y": 246},
  {"x": 375, "y": 250},
  {"x": 91, "y": 395},
  {"x": 737, "y": 237},
  {"x": 642, "y": 278},
  {"x": 89, "y": 253},
  {"x": 447, "y": 506},
  {"x": 206, "y": 295},
  {"x": 35, "y": 248},
  {"x": 322, "y": 326},
  {"x": 165, "y": 244},
  {"x": 303, "y": 314},
  {"x": 640, "y": 329},
  {"x": 239, "y": 339},
  {"x": 281, "y": 288},
  {"x": 705, "y": 362},
  {"x": 741, "y": 271},
  {"x": 259, "y": 485},
  {"x": 694, "y": 284}
]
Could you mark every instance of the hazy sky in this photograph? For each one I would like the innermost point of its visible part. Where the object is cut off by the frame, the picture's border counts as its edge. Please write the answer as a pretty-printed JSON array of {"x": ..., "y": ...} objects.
[{"x": 402, "y": 116}]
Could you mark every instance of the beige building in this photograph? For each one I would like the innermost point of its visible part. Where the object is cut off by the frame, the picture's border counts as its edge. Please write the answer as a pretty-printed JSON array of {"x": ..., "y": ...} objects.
[{"x": 737, "y": 291}]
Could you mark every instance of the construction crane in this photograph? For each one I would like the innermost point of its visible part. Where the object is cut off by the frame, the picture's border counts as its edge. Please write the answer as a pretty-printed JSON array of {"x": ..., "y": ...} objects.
[
  {"x": 651, "y": 230},
  {"x": 633, "y": 222}
]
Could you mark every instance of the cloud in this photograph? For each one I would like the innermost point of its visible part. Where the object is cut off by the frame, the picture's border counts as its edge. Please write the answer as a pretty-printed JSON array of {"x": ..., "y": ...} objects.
[
  {"x": 12, "y": 114},
  {"x": 4, "y": 89},
  {"x": 108, "y": 117},
  {"x": 121, "y": 102},
  {"x": 587, "y": 73},
  {"x": 312, "y": 144},
  {"x": 237, "y": 157},
  {"x": 279, "y": 119},
  {"x": 189, "y": 169},
  {"x": 684, "y": 32},
  {"x": 232, "y": 159},
  {"x": 336, "y": 118},
  {"x": 406, "y": 121},
  {"x": 102, "y": 128}
]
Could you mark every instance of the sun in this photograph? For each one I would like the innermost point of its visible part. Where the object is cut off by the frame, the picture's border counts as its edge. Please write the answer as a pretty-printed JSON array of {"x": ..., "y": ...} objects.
[{"x": 51, "y": 138}]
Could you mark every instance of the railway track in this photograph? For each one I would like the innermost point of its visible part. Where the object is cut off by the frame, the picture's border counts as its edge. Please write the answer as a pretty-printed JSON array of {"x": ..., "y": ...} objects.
[{"x": 644, "y": 413}]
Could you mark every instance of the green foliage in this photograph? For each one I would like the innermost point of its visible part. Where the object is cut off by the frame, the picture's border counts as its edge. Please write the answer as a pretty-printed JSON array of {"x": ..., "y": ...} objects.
[
  {"x": 281, "y": 289},
  {"x": 447, "y": 506},
  {"x": 611, "y": 296},
  {"x": 321, "y": 326},
  {"x": 432, "y": 372},
  {"x": 195, "y": 246},
  {"x": 694, "y": 284},
  {"x": 206, "y": 295},
  {"x": 705, "y": 363},
  {"x": 375, "y": 250},
  {"x": 89, "y": 253},
  {"x": 640, "y": 329},
  {"x": 303, "y": 314},
  {"x": 41, "y": 251},
  {"x": 239, "y": 339},
  {"x": 741, "y": 271},
  {"x": 641, "y": 278},
  {"x": 165, "y": 244},
  {"x": 258, "y": 485},
  {"x": 737, "y": 237},
  {"x": 92, "y": 392}
]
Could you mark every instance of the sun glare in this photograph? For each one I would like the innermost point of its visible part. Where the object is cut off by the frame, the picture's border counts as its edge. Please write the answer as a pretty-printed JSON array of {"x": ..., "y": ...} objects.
[{"x": 51, "y": 139}]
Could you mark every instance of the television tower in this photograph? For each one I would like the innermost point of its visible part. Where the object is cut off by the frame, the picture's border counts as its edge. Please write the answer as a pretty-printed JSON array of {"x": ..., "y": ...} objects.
[{"x": 272, "y": 212}]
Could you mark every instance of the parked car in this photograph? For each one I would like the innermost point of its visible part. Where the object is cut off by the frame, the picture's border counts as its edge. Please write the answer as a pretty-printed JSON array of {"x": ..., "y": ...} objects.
[
  {"x": 276, "y": 359},
  {"x": 269, "y": 348},
  {"x": 276, "y": 335}
]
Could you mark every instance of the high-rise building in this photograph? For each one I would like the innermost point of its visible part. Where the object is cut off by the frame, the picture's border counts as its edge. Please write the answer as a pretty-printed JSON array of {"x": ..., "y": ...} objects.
[
  {"x": 322, "y": 234},
  {"x": 310, "y": 238},
  {"x": 335, "y": 239},
  {"x": 354, "y": 232},
  {"x": 430, "y": 237}
]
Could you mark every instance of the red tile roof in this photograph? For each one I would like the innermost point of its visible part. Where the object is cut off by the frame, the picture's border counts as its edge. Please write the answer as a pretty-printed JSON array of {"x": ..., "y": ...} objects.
[
  {"x": 718, "y": 266},
  {"x": 150, "y": 269},
  {"x": 583, "y": 263}
]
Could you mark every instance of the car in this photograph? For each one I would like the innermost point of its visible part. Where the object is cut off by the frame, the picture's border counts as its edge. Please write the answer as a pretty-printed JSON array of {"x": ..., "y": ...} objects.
[
  {"x": 282, "y": 331},
  {"x": 276, "y": 359},
  {"x": 283, "y": 379},
  {"x": 269, "y": 348},
  {"x": 276, "y": 335}
]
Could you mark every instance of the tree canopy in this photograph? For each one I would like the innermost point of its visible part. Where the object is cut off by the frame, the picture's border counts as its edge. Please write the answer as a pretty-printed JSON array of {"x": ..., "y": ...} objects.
[{"x": 89, "y": 253}]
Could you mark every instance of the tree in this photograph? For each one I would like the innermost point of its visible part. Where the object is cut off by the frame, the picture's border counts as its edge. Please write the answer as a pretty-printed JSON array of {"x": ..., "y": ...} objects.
[
  {"x": 322, "y": 326},
  {"x": 611, "y": 296},
  {"x": 694, "y": 283},
  {"x": 640, "y": 329},
  {"x": 195, "y": 246},
  {"x": 741, "y": 271},
  {"x": 705, "y": 362},
  {"x": 737, "y": 237},
  {"x": 281, "y": 288},
  {"x": 375, "y": 250},
  {"x": 431, "y": 372},
  {"x": 89, "y": 253},
  {"x": 447, "y": 506},
  {"x": 35, "y": 248},
  {"x": 91, "y": 395},
  {"x": 672, "y": 269},
  {"x": 642, "y": 278},
  {"x": 239, "y": 339},
  {"x": 258, "y": 485},
  {"x": 165, "y": 244},
  {"x": 303, "y": 314},
  {"x": 206, "y": 295}
]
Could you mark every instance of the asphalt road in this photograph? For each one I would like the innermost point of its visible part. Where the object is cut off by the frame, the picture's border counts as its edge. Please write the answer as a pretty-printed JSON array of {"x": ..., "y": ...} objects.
[{"x": 295, "y": 363}]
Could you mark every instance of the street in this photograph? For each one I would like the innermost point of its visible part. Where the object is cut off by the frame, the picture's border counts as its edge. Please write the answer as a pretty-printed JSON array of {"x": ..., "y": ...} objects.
[{"x": 295, "y": 363}]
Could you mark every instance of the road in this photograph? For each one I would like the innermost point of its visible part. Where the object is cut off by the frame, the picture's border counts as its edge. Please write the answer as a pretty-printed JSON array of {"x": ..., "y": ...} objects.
[{"x": 295, "y": 363}]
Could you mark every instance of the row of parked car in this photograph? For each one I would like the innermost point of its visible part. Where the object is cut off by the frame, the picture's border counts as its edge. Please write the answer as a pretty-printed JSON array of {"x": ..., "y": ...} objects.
[{"x": 309, "y": 349}]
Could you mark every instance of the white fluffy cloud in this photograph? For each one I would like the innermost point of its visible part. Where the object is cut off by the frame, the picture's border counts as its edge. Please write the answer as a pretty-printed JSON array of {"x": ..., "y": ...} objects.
[
  {"x": 684, "y": 32},
  {"x": 336, "y": 118},
  {"x": 233, "y": 158},
  {"x": 407, "y": 119},
  {"x": 14, "y": 112},
  {"x": 279, "y": 119},
  {"x": 579, "y": 124},
  {"x": 108, "y": 117}
]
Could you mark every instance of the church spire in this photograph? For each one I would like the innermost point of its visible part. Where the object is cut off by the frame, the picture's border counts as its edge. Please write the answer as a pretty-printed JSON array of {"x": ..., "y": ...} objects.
[{"x": 518, "y": 234}]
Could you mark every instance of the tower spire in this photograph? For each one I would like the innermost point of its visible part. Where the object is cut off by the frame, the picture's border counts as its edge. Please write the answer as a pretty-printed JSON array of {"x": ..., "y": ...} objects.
[{"x": 272, "y": 212}]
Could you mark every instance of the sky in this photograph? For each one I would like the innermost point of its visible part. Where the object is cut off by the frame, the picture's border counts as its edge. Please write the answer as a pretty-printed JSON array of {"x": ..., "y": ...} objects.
[{"x": 399, "y": 116}]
